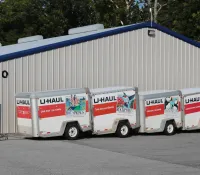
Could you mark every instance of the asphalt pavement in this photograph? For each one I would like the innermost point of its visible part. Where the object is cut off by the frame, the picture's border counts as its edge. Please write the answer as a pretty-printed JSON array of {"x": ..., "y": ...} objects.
[{"x": 103, "y": 155}]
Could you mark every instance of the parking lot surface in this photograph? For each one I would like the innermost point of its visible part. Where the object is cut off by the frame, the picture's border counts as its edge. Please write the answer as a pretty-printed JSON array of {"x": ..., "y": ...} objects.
[{"x": 107, "y": 155}]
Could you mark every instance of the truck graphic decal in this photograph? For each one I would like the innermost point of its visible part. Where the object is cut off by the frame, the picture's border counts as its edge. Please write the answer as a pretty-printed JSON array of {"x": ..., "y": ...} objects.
[
  {"x": 51, "y": 100},
  {"x": 105, "y": 99},
  {"x": 23, "y": 109},
  {"x": 192, "y": 104},
  {"x": 120, "y": 103},
  {"x": 23, "y": 102},
  {"x": 125, "y": 103},
  {"x": 24, "y": 112},
  {"x": 154, "y": 101},
  {"x": 51, "y": 110},
  {"x": 51, "y": 107},
  {"x": 191, "y": 100},
  {"x": 76, "y": 105},
  {"x": 104, "y": 108},
  {"x": 167, "y": 106},
  {"x": 171, "y": 104}
]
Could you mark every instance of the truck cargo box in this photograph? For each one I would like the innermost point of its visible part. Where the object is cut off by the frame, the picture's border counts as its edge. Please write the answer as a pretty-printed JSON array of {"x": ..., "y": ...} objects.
[
  {"x": 160, "y": 111},
  {"x": 71, "y": 111},
  {"x": 191, "y": 108},
  {"x": 113, "y": 105},
  {"x": 45, "y": 114}
]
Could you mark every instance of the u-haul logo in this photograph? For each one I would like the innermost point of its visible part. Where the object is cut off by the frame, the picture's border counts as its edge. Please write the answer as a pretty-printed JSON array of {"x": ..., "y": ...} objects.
[
  {"x": 105, "y": 99},
  {"x": 23, "y": 102},
  {"x": 51, "y": 100},
  {"x": 154, "y": 102},
  {"x": 192, "y": 100}
]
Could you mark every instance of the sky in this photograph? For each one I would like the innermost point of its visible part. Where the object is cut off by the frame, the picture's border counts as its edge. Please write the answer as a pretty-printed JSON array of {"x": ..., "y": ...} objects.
[{"x": 141, "y": 4}]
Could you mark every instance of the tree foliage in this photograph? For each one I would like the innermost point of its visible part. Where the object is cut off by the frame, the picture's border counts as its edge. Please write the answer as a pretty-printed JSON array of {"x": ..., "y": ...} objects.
[
  {"x": 119, "y": 12},
  {"x": 50, "y": 18},
  {"x": 181, "y": 16},
  {"x": 21, "y": 18},
  {"x": 184, "y": 17}
]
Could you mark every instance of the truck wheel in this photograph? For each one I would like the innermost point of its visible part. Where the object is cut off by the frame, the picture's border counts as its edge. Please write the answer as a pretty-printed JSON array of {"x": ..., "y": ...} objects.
[
  {"x": 72, "y": 132},
  {"x": 170, "y": 128},
  {"x": 123, "y": 130}
]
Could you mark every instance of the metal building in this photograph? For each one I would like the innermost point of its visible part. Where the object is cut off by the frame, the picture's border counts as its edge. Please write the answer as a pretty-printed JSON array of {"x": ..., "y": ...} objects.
[{"x": 146, "y": 55}]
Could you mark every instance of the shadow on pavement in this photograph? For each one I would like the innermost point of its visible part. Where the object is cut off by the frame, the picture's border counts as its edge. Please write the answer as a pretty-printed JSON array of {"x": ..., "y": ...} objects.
[{"x": 107, "y": 136}]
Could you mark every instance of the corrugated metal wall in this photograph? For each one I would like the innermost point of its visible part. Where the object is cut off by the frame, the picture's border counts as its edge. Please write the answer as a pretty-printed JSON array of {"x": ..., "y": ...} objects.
[{"x": 132, "y": 59}]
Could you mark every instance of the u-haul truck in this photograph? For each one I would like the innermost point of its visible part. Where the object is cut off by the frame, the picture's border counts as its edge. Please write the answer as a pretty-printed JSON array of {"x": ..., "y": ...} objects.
[
  {"x": 191, "y": 108},
  {"x": 114, "y": 110},
  {"x": 160, "y": 111},
  {"x": 71, "y": 111}
]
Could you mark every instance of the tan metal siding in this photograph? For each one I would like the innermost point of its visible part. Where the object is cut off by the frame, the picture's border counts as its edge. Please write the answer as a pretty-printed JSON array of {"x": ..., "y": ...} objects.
[{"x": 131, "y": 59}]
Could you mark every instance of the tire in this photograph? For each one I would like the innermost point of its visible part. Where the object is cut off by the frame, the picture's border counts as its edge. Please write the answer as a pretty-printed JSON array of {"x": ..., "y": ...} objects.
[
  {"x": 123, "y": 130},
  {"x": 72, "y": 132},
  {"x": 170, "y": 128}
]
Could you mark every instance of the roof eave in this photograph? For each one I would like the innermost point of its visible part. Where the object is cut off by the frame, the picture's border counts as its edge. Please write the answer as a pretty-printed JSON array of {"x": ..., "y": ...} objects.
[{"x": 97, "y": 36}]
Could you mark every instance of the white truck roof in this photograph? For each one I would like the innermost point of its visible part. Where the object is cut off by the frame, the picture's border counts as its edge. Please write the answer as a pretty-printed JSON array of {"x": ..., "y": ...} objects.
[
  {"x": 157, "y": 94},
  {"x": 143, "y": 93},
  {"x": 190, "y": 91},
  {"x": 108, "y": 89},
  {"x": 47, "y": 93}
]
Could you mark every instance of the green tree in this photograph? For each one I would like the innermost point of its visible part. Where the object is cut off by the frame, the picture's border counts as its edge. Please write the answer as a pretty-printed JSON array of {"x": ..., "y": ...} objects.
[
  {"x": 19, "y": 18},
  {"x": 119, "y": 12},
  {"x": 49, "y": 18},
  {"x": 184, "y": 17},
  {"x": 181, "y": 16}
]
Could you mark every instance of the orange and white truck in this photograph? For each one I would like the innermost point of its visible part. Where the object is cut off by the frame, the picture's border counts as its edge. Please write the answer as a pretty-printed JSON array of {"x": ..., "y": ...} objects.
[{"x": 71, "y": 111}]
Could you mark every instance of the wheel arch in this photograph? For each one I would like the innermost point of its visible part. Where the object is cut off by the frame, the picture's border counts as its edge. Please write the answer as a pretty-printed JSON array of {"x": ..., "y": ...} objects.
[
  {"x": 67, "y": 123},
  {"x": 122, "y": 121},
  {"x": 164, "y": 122}
]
